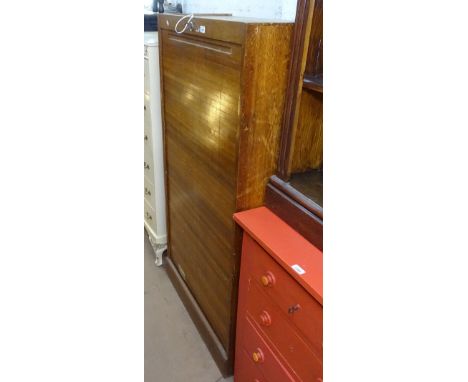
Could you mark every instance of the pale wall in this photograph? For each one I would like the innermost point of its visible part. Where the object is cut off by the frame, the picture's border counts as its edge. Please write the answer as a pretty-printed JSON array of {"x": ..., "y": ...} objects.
[{"x": 278, "y": 9}]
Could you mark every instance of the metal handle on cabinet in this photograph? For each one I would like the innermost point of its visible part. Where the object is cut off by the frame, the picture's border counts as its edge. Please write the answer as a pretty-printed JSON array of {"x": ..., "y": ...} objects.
[
  {"x": 147, "y": 192},
  {"x": 188, "y": 25},
  {"x": 146, "y": 137},
  {"x": 268, "y": 279},
  {"x": 294, "y": 308},
  {"x": 257, "y": 356},
  {"x": 147, "y": 166},
  {"x": 148, "y": 216}
]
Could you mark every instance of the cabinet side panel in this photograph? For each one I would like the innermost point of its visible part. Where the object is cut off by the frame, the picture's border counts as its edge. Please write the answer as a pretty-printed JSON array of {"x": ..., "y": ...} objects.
[{"x": 264, "y": 83}]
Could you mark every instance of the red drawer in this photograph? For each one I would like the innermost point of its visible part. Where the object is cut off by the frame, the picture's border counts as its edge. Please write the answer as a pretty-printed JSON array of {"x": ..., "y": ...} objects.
[
  {"x": 260, "y": 354},
  {"x": 284, "y": 337},
  {"x": 298, "y": 306},
  {"x": 246, "y": 371}
]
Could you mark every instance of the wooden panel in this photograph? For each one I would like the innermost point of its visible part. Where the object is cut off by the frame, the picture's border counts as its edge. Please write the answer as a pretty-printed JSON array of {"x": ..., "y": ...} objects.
[
  {"x": 264, "y": 82},
  {"x": 204, "y": 328},
  {"x": 308, "y": 140},
  {"x": 214, "y": 28},
  {"x": 310, "y": 185},
  {"x": 223, "y": 95},
  {"x": 305, "y": 196},
  {"x": 314, "y": 64},
  {"x": 300, "y": 45},
  {"x": 301, "y": 142},
  {"x": 301, "y": 148},
  {"x": 201, "y": 94},
  {"x": 300, "y": 218}
]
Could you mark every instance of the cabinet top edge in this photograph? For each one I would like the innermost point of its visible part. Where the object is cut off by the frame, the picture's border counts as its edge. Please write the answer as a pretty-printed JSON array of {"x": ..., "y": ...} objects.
[
  {"x": 228, "y": 18},
  {"x": 286, "y": 246}
]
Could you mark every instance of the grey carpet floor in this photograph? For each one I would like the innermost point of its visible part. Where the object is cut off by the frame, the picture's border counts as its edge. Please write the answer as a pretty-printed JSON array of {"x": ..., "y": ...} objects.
[{"x": 174, "y": 351}]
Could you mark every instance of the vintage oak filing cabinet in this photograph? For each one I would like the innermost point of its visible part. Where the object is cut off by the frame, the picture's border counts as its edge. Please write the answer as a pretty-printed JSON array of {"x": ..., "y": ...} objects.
[
  {"x": 279, "y": 319},
  {"x": 223, "y": 88}
]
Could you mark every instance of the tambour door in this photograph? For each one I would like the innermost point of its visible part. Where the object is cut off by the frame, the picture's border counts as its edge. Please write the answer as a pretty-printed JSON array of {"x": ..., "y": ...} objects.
[{"x": 201, "y": 79}]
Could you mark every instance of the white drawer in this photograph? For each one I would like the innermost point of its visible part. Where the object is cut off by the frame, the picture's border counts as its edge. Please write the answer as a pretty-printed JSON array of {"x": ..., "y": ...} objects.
[
  {"x": 148, "y": 147},
  {"x": 149, "y": 165},
  {"x": 147, "y": 89},
  {"x": 150, "y": 216},
  {"x": 147, "y": 117},
  {"x": 147, "y": 128},
  {"x": 148, "y": 154},
  {"x": 147, "y": 76},
  {"x": 149, "y": 191},
  {"x": 148, "y": 141}
]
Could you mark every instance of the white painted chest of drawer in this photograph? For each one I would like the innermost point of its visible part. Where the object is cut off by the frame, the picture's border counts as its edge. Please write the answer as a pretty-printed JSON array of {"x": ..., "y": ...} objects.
[{"x": 154, "y": 188}]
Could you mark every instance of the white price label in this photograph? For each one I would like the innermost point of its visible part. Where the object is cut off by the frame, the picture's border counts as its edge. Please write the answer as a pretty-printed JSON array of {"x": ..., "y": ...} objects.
[{"x": 298, "y": 269}]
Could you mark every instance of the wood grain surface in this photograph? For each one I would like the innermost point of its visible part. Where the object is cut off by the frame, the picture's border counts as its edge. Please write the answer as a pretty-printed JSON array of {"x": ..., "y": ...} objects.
[
  {"x": 314, "y": 63},
  {"x": 310, "y": 185},
  {"x": 308, "y": 140},
  {"x": 223, "y": 97},
  {"x": 301, "y": 138},
  {"x": 300, "y": 45},
  {"x": 296, "y": 193},
  {"x": 288, "y": 207},
  {"x": 264, "y": 83},
  {"x": 201, "y": 93}
]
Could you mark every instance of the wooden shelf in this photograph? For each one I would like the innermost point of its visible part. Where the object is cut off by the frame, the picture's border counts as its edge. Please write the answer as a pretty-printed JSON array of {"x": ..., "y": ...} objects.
[
  {"x": 299, "y": 203},
  {"x": 310, "y": 184},
  {"x": 313, "y": 82},
  {"x": 305, "y": 188}
]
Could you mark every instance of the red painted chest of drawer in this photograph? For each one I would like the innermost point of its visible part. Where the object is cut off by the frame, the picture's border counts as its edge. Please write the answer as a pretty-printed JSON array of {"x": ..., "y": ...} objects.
[
  {"x": 282, "y": 336},
  {"x": 304, "y": 312},
  {"x": 260, "y": 354},
  {"x": 279, "y": 321}
]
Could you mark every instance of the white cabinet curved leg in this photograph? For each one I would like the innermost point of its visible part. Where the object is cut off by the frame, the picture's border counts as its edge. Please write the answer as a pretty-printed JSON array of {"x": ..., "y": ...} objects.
[
  {"x": 159, "y": 256},
  {"x": 158, "y": 249}
]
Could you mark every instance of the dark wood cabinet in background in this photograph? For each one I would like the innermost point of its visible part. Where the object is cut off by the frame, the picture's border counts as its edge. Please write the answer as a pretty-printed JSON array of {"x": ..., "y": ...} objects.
[
  {"x": 223, "y": 88},
  {"x": 296, "y": 192}
]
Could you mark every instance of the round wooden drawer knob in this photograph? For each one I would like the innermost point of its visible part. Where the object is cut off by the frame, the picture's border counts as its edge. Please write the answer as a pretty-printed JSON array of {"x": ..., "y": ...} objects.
[
  {"x": 257, "y": 356},
  {"x": 265, "y": 318},
  {"x": 268, "y": 279}
]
